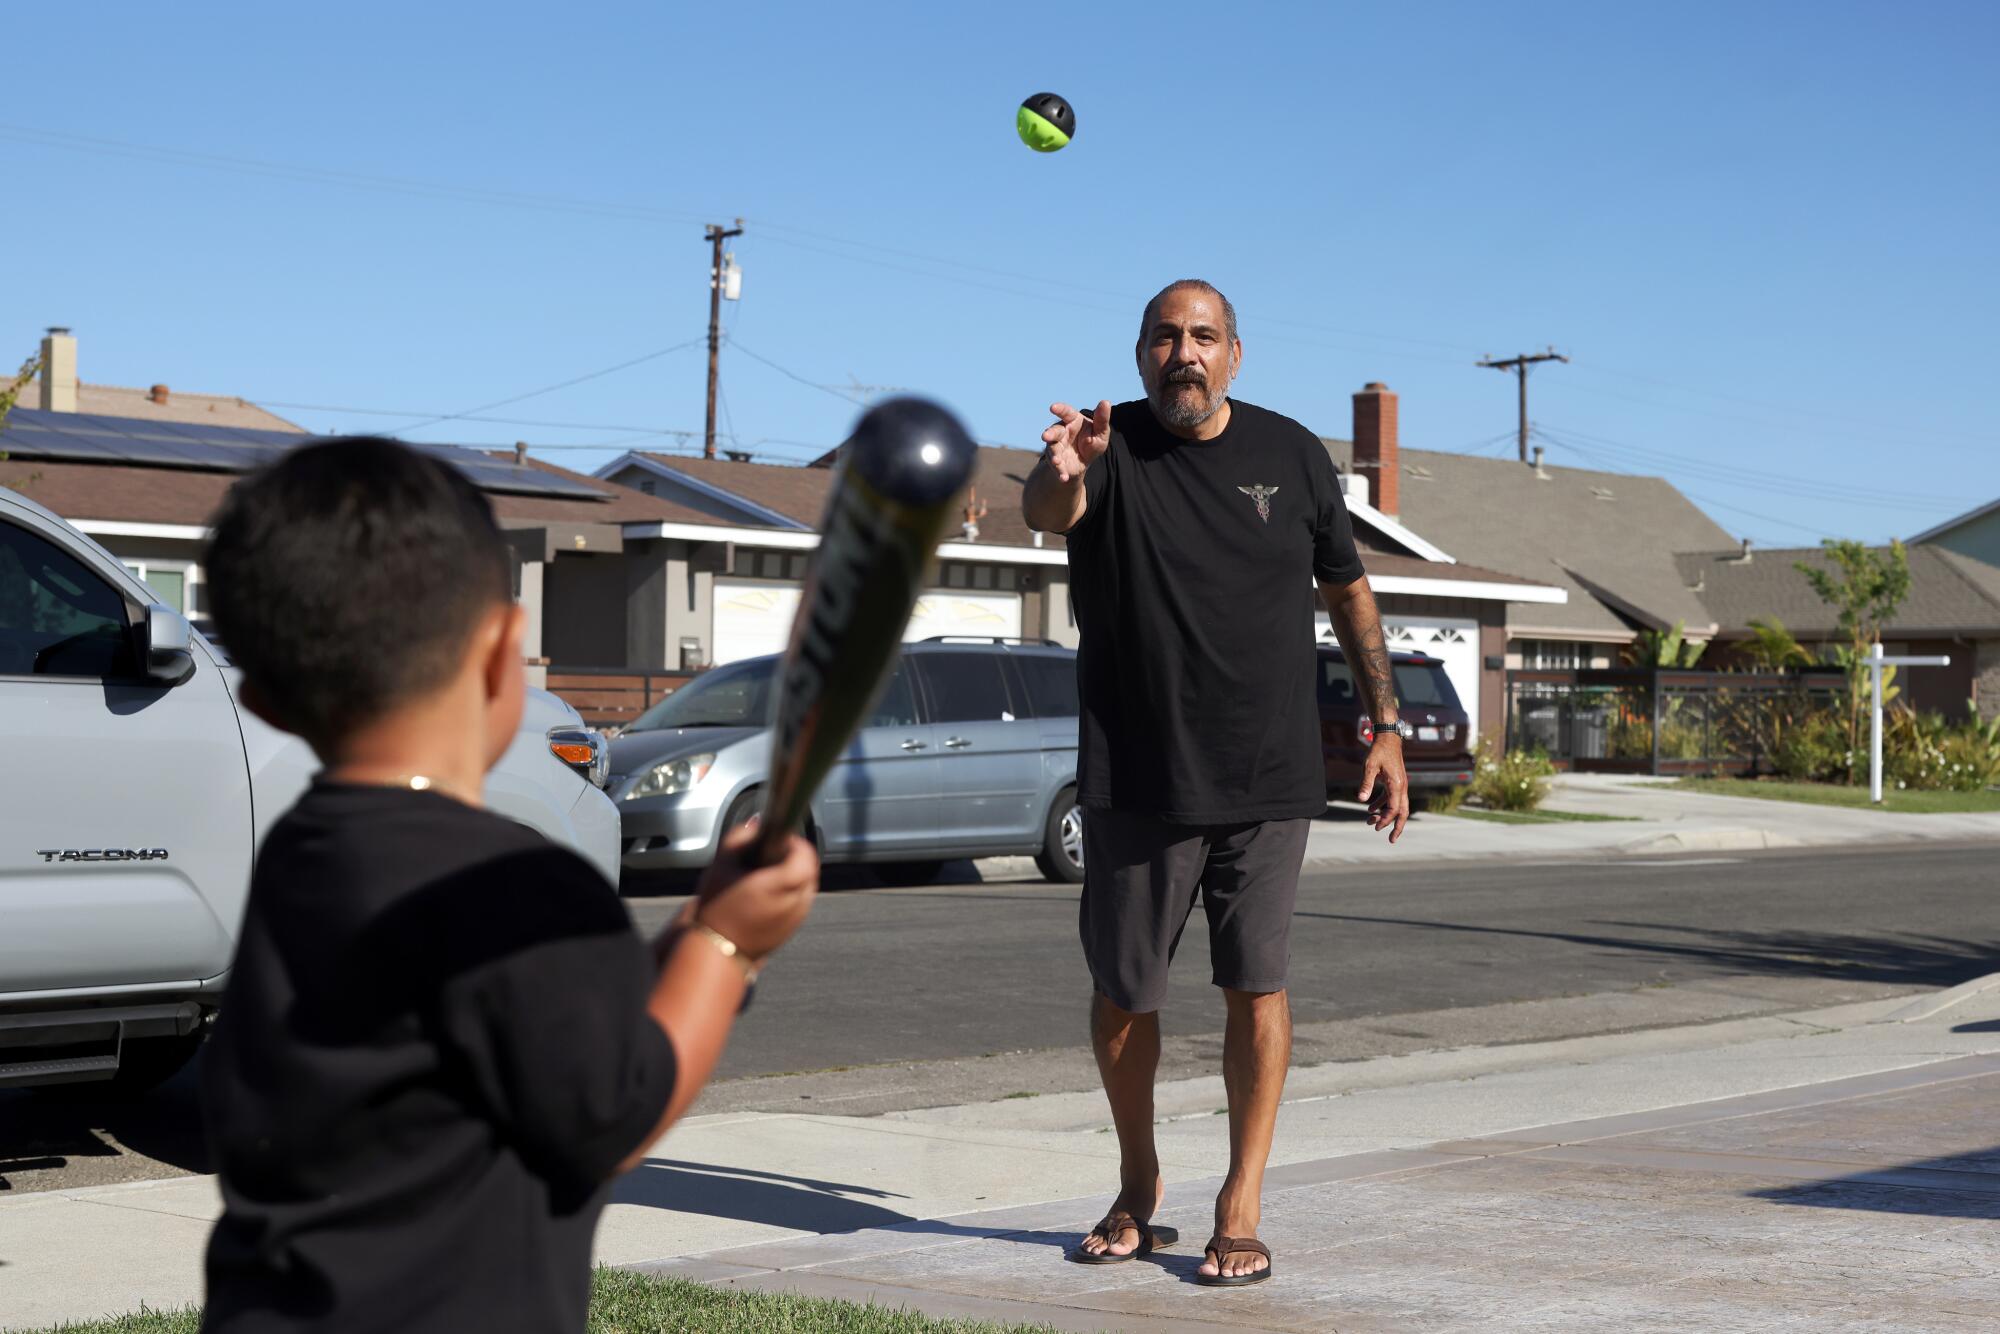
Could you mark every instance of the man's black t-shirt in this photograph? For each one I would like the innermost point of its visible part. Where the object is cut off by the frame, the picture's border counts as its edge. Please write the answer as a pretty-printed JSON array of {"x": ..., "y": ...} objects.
[
  {"x": 1192, "y": 575},
  {"x": 434, "y": 1052}
]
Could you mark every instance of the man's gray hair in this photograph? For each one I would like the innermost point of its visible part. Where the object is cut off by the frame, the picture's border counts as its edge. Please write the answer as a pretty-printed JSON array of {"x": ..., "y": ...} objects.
[{"x": 1181, "y": 285}]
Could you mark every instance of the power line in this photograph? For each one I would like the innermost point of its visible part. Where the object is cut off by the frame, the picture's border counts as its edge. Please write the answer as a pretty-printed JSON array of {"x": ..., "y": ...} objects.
[
  {"x": 71, "y": 142},
  {"x": 1802, "y": 488},
  {"x": 68, "y": 141},
  {"x": 1876, "y": 429},
  {"x": 792, "y": 374},
  {"x": 1752, "y": 514},
  {"x": 550, "y": 389},
  {"x": 502, "y": 421}
]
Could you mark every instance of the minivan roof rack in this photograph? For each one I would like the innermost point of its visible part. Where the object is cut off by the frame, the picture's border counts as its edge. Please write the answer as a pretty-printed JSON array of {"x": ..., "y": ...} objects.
[
  {"x": 991, "y": 639},
  {"x": 1405, "y": 654}
]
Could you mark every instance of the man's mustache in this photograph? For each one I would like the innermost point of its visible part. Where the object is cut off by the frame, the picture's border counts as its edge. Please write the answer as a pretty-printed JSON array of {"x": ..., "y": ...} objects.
[{"x": 1187, "y": 375}]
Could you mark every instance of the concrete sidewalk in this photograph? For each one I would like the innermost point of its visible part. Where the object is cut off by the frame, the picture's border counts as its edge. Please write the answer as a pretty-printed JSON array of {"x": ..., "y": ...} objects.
[
  {"x": 1657, "y": 818},
  {"x": 1828, "y": 1167}
]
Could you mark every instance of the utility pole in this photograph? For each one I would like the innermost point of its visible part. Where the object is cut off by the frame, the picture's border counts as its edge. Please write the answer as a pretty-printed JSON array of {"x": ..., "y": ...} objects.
[
  {"x": 1519, "y": 365},
  {"x": 716, "y": 236}
]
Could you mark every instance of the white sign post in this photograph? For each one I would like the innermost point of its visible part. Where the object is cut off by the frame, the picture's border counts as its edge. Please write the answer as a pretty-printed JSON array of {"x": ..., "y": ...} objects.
[{"x": 1876, "y": 662}]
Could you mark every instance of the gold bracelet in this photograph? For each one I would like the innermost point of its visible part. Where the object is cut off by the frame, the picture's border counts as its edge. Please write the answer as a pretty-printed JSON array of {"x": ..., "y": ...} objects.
[{"x": 728, "y": 947}]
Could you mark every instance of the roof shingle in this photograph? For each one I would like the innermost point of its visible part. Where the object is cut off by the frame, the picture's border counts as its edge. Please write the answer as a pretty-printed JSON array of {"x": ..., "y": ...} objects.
[
  {"x": 1608, "y": 538},
  {"x": 1949, "y": 593}
]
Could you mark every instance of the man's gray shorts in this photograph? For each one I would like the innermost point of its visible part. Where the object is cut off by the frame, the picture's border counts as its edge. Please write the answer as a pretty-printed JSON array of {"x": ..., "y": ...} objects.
[{"x": 1140, "y": 875}]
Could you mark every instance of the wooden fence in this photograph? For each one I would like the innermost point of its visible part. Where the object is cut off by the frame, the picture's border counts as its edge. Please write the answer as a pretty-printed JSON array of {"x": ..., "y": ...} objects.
[{"x": 611, "y": 697}]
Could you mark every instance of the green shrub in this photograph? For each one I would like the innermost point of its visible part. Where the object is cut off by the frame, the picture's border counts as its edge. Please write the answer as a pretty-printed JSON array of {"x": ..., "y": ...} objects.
[
  {"x": 1515, "y": 781},
  {"x": 1923, "y": 752},
  {"x": 1445, "y": 800},
  {"x": 1813, "y": 748}
]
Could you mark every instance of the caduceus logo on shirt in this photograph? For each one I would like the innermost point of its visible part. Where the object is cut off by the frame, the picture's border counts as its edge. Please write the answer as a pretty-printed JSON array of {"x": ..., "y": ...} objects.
[{"x": 1262, "y": 495}]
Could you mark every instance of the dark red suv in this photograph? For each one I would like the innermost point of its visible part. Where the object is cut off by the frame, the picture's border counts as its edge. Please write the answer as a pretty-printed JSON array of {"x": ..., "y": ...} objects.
[{"x": 1439, "y": 755}]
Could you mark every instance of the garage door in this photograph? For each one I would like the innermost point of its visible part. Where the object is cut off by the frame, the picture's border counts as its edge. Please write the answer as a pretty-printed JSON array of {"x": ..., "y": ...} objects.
[
  {"x": 753, "y": 618},
  {"x": 1454, "y": 641}
]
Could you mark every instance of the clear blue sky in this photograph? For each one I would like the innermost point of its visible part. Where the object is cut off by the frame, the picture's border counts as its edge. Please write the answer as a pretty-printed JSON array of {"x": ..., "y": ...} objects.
[{"x": 1766, "y": 233}]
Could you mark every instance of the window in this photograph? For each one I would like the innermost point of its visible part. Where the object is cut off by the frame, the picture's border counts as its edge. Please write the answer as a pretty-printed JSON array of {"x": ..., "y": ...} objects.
[
  {"x": 735, "y": 696},
  {"x": 1423, "y": 686},
  {"x": 173, "y": 582},
  {"x": 56, "y": 617},
  {"x": 1336, "y": 682},
  {"x": 898, "y": 705},
  {"x": 966, "y": 688},
  {"x": 1051, "y": 684},
  {"x": 754, "y": 564},
  {"x": 1553, "y": 654}
]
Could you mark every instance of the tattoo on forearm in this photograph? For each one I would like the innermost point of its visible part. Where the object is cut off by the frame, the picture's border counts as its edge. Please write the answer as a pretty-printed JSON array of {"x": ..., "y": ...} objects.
[
  {"x": 1374, "y": 656},
  {"x": 1358, "y": 625}
]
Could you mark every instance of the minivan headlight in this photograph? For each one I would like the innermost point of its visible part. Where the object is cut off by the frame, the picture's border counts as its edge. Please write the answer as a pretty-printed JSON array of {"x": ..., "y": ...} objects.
[{"x": 671, "y": 776}]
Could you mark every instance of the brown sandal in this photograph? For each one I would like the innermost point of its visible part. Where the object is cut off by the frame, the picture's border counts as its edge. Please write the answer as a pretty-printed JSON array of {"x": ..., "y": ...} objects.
[
  {"x": 1222, "y": 1248},
  {"x": 1150, "y": 1239}
]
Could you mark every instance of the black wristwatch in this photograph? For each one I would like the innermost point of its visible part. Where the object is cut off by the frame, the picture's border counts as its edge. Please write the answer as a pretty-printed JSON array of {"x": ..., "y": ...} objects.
[{"x": 1400, "y": 728}]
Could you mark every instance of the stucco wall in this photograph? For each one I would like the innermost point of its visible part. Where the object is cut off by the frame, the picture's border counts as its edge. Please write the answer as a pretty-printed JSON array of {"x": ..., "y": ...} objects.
[
  {"x": 1986, "y": 682},
  {"x": 1979, "y": 538}
]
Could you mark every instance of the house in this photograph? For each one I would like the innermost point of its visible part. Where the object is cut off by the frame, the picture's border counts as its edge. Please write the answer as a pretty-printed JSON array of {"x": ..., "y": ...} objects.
[
  {"x": 1000, "y": 578},
  {"x": 1608, "y": 539},
  {"x": 1635, "y": 555},
  {"x": 1953, "y": 609},
  {"x": 660, "y": 564},
  {"x": 1975, "y": 533}
]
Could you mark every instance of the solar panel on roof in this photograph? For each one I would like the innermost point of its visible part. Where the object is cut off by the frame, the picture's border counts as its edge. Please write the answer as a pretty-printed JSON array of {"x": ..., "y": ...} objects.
[{"x": 81, "y": 437}]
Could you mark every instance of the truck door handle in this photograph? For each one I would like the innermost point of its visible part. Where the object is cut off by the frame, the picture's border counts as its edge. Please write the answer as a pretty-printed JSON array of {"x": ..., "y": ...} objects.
[
  {"x": 956, "y": 743},
  {"x": 916, "y": 745}
]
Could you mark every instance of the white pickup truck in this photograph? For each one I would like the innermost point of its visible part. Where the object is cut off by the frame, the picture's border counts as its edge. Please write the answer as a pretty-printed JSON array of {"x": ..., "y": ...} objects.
[{"x": 134, "y": 792}]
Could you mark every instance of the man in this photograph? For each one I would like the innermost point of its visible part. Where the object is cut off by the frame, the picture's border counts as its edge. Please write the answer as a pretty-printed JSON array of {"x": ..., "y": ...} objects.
[{"x": 1196, "y": 527}]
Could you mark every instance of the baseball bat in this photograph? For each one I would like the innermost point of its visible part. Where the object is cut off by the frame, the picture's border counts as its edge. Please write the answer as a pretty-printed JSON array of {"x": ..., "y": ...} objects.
[{"x": 893, "y": 488}]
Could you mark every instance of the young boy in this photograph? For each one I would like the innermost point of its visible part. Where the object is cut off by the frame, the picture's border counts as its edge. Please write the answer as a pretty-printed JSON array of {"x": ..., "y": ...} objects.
[{"x": 442, "y": 1038}]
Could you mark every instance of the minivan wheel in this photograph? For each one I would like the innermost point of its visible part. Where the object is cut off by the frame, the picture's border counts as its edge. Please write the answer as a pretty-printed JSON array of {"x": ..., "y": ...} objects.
[
  {"x": 747, "y": 804},
  {"x": 1061, "y": 857}
]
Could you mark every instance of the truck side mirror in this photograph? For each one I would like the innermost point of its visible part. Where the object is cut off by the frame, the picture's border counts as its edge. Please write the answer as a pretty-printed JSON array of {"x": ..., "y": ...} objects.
[{"x": 169, "y": 646}]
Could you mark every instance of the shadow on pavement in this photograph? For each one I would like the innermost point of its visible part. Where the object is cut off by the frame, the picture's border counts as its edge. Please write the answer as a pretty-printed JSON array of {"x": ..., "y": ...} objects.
[
  {"x": 1967, "y": 1186},
  {"x": 802, "y": 1203},
  {"x": 1983, "y": 1026},
  {"x": 832, "y": 879},
  {"x": 47, "y": 1129},
  {"x": 1891, "y": 958}
]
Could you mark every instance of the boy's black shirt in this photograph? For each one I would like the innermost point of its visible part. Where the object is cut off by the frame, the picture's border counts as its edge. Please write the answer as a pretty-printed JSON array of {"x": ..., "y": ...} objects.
[{"x": 433, "y": 1053}]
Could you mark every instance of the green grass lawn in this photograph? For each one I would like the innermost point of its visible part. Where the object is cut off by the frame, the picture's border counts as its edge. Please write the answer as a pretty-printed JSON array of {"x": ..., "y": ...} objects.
[
  {"x": 626, "y": 1303},
  {"x": 1837, "y": 794},
  {"x": 1529, "y": 817}
]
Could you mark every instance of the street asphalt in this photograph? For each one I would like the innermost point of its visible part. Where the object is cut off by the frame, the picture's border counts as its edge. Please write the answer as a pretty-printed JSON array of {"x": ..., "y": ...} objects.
[
  {"x": 967, "y": 970},
  {"x": 893, "y": 998}
]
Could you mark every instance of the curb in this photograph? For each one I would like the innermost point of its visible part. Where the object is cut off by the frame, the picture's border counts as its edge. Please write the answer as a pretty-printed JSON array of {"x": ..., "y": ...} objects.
[
  {"x": 1713, "y": 840},
  {"x": 1923, "y": 1007}
]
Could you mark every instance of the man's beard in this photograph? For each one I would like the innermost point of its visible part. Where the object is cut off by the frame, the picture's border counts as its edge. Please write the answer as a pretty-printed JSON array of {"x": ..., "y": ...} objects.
[{"x": 1185, "y": 411}]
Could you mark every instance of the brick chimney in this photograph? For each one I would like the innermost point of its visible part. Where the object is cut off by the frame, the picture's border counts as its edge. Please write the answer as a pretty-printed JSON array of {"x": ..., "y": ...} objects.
[
  {"x": 159, "y": 393},
  {"x": 58, "y": 378},
  {"x": 1375, "y": 456}
]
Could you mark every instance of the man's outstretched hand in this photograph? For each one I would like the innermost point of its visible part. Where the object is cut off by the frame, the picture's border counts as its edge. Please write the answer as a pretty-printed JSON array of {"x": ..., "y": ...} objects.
[
  {"x": 1076, "y": 440},
  {"x": 1385, "y": 786}
]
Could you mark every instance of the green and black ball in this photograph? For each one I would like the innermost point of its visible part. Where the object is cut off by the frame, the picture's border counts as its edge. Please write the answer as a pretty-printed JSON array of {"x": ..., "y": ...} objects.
[{"x": 1046, "y": 122}]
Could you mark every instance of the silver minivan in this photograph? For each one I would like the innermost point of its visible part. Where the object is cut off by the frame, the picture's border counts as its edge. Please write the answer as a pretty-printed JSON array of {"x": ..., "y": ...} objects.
[
  {"x": 970, "y": 752},
  {"x": 133, "y": 794}
]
